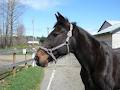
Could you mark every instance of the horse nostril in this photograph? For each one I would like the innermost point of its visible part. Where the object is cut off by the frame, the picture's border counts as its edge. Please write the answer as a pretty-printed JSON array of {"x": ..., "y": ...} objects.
[{"x": 36, "y": 58}]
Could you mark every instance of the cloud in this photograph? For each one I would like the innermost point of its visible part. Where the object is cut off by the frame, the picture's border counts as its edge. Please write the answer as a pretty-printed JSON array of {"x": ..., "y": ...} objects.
[{"x": 40, "y": 4}]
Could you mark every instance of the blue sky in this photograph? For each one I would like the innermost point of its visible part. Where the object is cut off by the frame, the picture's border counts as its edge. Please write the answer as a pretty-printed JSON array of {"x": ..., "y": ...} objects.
[{"x": 89, "y": 14}]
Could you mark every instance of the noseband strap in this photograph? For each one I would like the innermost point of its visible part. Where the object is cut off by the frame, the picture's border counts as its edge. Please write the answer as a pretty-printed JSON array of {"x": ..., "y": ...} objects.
[{"x": 66, "y": 43}]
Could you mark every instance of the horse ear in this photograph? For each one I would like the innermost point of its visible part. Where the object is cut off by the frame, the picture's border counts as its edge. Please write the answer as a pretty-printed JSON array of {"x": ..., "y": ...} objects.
[
  {"x": 61, "y": 17},
  {"x": 56, "y": 17}
]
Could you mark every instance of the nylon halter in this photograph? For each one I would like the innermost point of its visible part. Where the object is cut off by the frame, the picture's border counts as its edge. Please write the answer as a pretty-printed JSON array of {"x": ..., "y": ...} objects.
[{"x": 66, "y": 43}]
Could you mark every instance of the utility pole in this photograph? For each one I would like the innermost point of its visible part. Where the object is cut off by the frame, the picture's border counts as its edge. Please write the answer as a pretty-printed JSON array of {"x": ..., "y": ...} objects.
[
  {"x": 48, "y": 30},
  {"x": 33, "y": 31}
]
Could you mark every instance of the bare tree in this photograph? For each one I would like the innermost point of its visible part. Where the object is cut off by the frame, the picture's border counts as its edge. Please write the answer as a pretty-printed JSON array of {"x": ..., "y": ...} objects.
[
  {"x": 12, "y": 10},
  {"x": 0, "y": 35},
  {"x": 20, "y": 30},
  {"x": 13, "y": 13},
  {"x": 2, "y": 21},
  {"x": 20, "y": 38}
]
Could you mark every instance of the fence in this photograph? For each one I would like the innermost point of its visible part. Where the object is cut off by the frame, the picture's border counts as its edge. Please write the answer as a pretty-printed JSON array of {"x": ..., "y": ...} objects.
[{"x": 6, "y": 70}]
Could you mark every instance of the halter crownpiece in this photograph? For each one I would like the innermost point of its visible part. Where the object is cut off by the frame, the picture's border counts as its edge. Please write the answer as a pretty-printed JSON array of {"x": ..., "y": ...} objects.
[
  {"x": 66, "y": 43},
  {"x": 69, "y": 34}
]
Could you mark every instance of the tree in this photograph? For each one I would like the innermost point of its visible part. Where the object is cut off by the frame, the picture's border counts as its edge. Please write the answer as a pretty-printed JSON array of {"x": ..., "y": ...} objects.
[
  {"x": 2, "y": 21},
  {"x": 11, "y": 11},
  {"x": 0, "y": 35},
  {"x": 42, "y": 39},
  {"x": 13, "y": 14},
  {"x": 20, "y": 30},
  {"x": 20, "y": 34}
]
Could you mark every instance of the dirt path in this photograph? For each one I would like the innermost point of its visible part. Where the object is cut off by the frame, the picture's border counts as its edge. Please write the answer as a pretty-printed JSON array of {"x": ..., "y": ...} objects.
[{"x": 67, "y": 75}]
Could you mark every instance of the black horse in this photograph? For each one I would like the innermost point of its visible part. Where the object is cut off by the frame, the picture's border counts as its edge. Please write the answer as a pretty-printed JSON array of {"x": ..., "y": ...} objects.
[{"x": 100, "y": 64}]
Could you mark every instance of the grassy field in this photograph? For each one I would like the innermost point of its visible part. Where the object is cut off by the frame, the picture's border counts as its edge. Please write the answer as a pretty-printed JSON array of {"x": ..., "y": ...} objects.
[{"x": 27, "y": 79}]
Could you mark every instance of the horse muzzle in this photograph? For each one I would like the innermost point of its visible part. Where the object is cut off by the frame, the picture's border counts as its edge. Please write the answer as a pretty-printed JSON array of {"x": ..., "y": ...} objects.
[{"x": 41, "y": 58}]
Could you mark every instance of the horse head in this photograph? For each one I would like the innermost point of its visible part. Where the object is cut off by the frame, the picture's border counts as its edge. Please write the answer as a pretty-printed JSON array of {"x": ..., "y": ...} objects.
[{"x": 58, "y": 42}]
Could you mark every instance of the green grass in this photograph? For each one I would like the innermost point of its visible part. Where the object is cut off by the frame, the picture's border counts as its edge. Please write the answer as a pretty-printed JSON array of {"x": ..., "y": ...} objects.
[
  {"x": 27, "y": 79},
  {"x": 21, "y": 46}
]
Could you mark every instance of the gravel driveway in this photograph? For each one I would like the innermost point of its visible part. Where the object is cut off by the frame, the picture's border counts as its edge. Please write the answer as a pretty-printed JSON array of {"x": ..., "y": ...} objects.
[{"x": 67, "y": 75}]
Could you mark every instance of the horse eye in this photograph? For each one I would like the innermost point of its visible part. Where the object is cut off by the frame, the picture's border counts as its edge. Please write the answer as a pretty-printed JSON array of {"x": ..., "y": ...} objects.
[{"x": 55, "y": 34}]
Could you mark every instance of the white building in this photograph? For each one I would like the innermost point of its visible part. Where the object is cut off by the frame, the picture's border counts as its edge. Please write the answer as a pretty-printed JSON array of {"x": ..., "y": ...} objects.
[
  {"x": 110, "y": 33},
  {"x": 33, "y": 42}
]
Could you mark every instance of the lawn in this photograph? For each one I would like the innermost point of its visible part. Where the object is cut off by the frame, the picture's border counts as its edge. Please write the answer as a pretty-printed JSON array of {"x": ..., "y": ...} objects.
[{"x": 27, "y": 79}]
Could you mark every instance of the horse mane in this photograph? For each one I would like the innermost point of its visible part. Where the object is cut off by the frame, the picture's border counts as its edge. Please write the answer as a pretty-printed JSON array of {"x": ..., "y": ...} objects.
[{"x": 86, "y": 34}]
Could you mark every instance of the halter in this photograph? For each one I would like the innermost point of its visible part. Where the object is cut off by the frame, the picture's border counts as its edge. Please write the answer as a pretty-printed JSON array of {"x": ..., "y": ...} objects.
[{"x": 66, "y": 43}]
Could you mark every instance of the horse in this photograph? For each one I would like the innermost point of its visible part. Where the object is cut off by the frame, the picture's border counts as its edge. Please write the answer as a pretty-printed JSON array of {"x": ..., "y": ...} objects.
[{"x": 100, "y": 64}]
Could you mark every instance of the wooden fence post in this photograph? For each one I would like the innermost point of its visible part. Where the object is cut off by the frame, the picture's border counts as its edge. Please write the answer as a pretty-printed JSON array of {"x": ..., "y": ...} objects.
[
  {"x": 25, "y": 60},
  {"x": 25, "y": 53},
  {"x": 14, "y": 67}
]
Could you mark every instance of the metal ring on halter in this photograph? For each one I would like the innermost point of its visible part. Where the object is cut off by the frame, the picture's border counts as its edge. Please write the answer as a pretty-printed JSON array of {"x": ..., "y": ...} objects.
[{"x": 66, "y": 43}]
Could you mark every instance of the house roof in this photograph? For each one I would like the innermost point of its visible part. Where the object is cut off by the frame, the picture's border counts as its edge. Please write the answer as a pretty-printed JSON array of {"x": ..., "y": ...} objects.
[
  {"x": 109, "y": 22},
  {"x": 113, "y": 22},
  {"x": 110, "y": 29}
]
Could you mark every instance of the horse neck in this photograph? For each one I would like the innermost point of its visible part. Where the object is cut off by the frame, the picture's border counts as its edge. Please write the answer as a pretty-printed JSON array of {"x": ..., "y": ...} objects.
[{"x": 84, "y": 49}]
